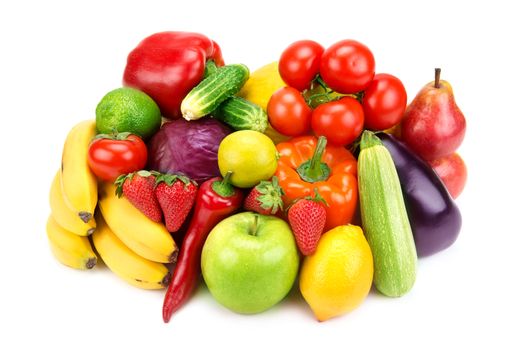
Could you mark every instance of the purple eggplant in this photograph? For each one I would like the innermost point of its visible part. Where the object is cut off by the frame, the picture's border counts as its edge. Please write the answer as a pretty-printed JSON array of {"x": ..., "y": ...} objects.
[{"x": 435, "y": 218}]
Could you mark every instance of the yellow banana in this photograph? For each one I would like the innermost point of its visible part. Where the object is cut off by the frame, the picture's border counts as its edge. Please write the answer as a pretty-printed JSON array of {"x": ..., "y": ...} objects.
[
  {"x": 78, "y": 183},
  {"x": 71, "y": 250},
  {"x": 125, "y": 263},
  {"x": 145, "y": 237},
  {"x": 64, "y": 216}
]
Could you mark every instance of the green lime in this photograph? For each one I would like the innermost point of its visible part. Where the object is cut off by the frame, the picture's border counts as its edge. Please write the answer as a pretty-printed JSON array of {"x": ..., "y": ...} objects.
[{"x": 128, "y": 110}]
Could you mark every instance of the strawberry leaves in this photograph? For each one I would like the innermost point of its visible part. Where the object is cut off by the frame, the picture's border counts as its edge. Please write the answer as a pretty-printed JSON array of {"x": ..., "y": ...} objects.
[
  {"x": 157, "y": 195},
  {"x": 265, "y": 198}
]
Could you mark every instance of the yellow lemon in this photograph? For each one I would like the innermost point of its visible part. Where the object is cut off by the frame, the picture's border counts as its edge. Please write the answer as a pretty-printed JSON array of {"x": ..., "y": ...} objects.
[
  {"x": 338, "y": 276},
  {"x": 250, "y": 155},
  {"x": 262, "y": 83}
]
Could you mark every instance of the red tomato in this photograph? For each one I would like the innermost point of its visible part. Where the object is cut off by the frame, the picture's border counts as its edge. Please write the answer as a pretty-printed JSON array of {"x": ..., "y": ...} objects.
[
  {"x": 288, "y": 112},
  {"x": 347, "y": 66},
  {"x": 110, "y": 157},
  {"x": 340, "y": 121},
  {"x": 300, "y": 63},
  {"x": 452, "y": 171},
  {"x": 384, "y": 102}
]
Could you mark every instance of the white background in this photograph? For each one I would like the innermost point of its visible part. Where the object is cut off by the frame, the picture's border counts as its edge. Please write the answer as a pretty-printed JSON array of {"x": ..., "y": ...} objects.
[{"x": 58, "y": 59}]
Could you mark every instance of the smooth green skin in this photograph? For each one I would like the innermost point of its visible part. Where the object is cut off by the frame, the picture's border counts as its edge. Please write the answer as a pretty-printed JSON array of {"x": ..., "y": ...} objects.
[
  {"x": 128, "y": 110},
  {"x": 385, "y": 219},
  {"x": 250, "y": 262}
]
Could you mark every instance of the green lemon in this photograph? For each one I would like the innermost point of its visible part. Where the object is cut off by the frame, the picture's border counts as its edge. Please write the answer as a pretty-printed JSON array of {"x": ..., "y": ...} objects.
[
  {"x": 250, "y": 155},
  {"x": 128, "y": 110}
]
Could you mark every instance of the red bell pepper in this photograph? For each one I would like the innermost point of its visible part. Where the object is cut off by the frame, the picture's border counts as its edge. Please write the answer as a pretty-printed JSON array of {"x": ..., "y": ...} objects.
[
  {"x": 216, "y": 199},
  {"x": 167, "y": 65}
]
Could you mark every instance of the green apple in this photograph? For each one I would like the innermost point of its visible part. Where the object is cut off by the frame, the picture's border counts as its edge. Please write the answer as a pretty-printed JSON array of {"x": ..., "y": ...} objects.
[{"x": 250, "y": 262}]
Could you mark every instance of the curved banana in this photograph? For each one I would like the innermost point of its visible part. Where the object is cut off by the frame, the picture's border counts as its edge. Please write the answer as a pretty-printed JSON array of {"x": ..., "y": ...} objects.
[
  {"x": 125, "y": 263},
  {"x": 78, "y": 183},
  {"x": 64, "y": 216},
  {"x": 145, "y": 237},
  {"x": 70, "y": 249}
]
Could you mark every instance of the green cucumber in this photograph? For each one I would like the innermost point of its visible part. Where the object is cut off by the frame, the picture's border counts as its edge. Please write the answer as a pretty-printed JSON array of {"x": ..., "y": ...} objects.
[
  {"x": 213, "y": 90},
  {"x": 385, "y": 219},
  {"x": 241, "y": 114}
]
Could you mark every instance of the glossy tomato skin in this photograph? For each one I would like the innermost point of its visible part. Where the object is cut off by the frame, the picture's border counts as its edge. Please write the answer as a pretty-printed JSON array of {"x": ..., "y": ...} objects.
[
  {"x": 384, "y": 102},
  {"x": 340, "y": 121},
  {"x": 347, "y": 66},
  {"x": 453, "y": 173},
  {"x": 300, "y": 63},
  {"x": 109, "y": 158},
  {"x": 288, "y": 112}
]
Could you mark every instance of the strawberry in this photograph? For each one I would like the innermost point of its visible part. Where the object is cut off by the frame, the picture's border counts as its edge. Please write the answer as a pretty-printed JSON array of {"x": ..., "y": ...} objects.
[
  {"x": 176, "y": 195},
  {"x": 139, "y": 189},
  {"x": 307, "y": 218},
  {"x": 265, "y": 198}
]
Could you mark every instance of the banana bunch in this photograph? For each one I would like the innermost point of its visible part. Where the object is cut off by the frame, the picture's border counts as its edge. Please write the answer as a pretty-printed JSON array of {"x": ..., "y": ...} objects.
[
  {"x": 131, "y": 245},
  {"x": 74, "y": 191},
  {"x": 70, "y": 249},
  {"x": 125, "y": 263},
  {"x": 73, "y": 197},
  {"x": 145, "y": 237}
]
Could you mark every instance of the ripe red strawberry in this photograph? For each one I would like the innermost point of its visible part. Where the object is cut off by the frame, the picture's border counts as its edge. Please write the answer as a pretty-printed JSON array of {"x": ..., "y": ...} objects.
[
  {"x": 176, "y": 195},
  {"x": 265, "y": 198},
  {"x": 139, "y": 189},
  {"x": 307, "y": 218}
]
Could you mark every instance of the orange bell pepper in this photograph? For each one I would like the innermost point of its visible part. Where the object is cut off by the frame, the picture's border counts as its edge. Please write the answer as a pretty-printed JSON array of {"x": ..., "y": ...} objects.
[{"x": 306, "y": 164}]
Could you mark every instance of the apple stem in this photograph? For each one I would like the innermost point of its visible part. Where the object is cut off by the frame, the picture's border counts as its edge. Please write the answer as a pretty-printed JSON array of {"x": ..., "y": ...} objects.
[
  {"x": 437, "y": 78},
  {"x": 254, "y": 227}
]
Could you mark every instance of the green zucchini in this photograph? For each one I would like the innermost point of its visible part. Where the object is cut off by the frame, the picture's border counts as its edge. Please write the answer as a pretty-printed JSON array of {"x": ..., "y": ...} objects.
[
  {"x": 213, "y": 90},
  {"x": 241, "y": 114},
  {"x": 385, "y": 219}
]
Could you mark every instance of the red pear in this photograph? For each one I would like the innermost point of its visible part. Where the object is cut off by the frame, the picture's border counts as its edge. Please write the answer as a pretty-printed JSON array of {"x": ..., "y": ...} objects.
[{"x": 433, "y": 125}]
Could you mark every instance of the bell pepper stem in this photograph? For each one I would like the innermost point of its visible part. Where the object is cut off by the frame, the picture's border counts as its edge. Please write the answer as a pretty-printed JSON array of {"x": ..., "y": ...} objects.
[
  {"x": 314, "y": 169},
  {"x": 316, "y": 160},
  {"x": 210, "y": 68},
  {"x": 223, "y": 187}
]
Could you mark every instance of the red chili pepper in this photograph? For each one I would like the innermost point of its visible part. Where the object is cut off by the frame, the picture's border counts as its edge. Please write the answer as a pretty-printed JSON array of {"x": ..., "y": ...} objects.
[
  {"x": 216, "y": 199},
  {"x": 167, "y": 65}
]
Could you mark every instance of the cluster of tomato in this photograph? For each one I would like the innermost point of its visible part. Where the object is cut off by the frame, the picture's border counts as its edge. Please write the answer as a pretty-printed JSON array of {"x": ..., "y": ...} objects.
[{"x": 334, "y": 92}]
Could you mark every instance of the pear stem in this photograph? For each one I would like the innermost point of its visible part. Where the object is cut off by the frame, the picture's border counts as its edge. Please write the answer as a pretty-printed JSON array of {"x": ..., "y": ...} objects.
[{"x": 437, "y": 78}]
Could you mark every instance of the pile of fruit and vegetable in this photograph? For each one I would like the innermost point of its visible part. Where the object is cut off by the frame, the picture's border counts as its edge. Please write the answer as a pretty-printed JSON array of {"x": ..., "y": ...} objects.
[{"x": 312, "y": 168}]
